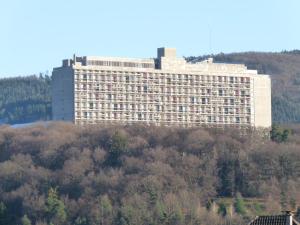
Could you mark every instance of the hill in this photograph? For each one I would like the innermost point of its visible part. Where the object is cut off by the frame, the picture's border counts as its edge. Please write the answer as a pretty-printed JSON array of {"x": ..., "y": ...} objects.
[
  {"x": 27, "y": 99},
  {"x": 68, "y": 175}
]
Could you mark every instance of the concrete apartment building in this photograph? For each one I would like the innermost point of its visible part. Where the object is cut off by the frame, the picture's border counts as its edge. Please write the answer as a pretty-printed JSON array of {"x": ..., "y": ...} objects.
[{"x": 165, "y": 91}]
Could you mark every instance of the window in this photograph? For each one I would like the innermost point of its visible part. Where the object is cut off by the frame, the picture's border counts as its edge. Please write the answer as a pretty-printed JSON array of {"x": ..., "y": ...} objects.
[
  {"x": 193, "y": 100},
  {"x": 220, "y": 92},
  {"x": 226, "y": 110},
  {"x": 140, "y": 116},
  {"x": 203, "y": 100},
  {"x": 145, "y": 88},
  {"x": 209, "y": 119}
]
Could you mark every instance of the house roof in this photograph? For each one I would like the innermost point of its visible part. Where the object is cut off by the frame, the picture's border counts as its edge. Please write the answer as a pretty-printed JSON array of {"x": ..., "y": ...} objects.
[{"x": 273, "y": 220}]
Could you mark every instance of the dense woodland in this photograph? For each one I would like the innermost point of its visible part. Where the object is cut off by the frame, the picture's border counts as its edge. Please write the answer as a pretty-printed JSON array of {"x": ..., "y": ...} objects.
[
  {"x": 60, "y": 174},
  {"x": 25, "y": 99}
]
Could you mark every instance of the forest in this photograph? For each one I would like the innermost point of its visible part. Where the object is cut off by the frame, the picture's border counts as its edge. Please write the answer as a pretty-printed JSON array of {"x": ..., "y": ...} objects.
[
  {"x": 62, "y": 174},
  {"x": 25, "y": 99}
]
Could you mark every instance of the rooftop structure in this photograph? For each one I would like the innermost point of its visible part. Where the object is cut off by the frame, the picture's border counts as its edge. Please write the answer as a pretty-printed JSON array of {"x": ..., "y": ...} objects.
[
  {"x": 166, "y": 90},
  {"x": 286, "y": 219}
]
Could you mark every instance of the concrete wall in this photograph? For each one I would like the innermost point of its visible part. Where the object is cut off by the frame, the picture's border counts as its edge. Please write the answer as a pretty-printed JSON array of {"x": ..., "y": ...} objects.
[
  {"x": 63, "y": 94},
  {"x": 167, "y": 78},
  {"x": 262, "y": 101}
]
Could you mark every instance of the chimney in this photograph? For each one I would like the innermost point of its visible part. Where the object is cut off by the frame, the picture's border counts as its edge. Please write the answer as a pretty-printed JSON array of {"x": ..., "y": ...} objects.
[{"x": 166, "y": 52}]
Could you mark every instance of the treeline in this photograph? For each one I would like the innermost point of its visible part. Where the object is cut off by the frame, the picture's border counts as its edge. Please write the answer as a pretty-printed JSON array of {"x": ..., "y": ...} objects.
[
  {"x": 25, "y": 99},
  {"x": 61, "y": 174}
]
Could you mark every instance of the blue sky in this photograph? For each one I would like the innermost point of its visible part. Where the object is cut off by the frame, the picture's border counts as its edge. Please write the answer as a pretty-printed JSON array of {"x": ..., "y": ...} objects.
[{"x": 37, "y": 34}]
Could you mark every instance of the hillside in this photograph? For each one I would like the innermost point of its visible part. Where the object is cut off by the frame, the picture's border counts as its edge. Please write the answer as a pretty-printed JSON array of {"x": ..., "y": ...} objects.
[
  {"x": 27, "y": 99},
  {"x": 67, "y": 175}
]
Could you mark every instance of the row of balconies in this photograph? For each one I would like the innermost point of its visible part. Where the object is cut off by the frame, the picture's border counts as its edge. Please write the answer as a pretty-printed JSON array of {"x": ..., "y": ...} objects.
[
  {"x": 155, "y": 86},
  {"x": 166, "y": 124},
  {"x": 167, "y": 93},
  {"x": 131, "y": 77},
  {"x": 99, "y": 104},
  {"x": 163, "y": 83},
  {"x": 177, "y": 83},
  {"x": 149, "y": 90},
  {"x": 226, "y": 111},
  {"x": 233, "y": 120}
]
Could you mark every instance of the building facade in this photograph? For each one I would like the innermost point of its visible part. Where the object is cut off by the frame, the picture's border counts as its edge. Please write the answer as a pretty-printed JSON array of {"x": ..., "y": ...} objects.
[{"x": 164, "y": 91}]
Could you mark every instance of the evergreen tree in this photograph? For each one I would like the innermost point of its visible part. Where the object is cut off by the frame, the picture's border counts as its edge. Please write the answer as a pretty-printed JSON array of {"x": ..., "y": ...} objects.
[
  {"x": 55, "y": 208},
  {"x": 239, "y": 205},
  {"x": 2, "y": 213},
  {"x": 117, "y": 147},
  {"x": 26, "y": 220},
  {"x": 279, "y": 134}
]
